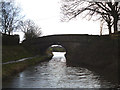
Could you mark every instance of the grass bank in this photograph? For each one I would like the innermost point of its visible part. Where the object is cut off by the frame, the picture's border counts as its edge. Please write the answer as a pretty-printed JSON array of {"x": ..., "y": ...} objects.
[
  {"x": 11, "y": 53},
  {"x": 11, "y": 69}
]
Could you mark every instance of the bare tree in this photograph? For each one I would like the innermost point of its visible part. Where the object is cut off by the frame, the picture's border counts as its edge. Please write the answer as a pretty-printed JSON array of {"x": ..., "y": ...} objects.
[
  {"x": 30, "y": 29},
  {"x": 108, "y": 11},
  {"x": 10, "y": 16}
]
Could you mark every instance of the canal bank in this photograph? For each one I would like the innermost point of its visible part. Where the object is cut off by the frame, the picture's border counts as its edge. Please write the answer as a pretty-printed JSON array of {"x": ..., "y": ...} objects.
[
  {"x": 56, "y": 74},
  {"x": 13, "y": 53}
]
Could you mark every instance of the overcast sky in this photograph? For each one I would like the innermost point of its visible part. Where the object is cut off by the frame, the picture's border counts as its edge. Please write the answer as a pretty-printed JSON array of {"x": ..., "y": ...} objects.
[{"x": 46, "y": 13}]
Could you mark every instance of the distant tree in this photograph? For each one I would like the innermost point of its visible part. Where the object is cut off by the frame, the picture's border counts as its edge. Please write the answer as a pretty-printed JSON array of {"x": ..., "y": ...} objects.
[
  {"x": 10, "y": 16},
  {"x": 108, "y": 11},
  {"x": 30, "y": 29}
]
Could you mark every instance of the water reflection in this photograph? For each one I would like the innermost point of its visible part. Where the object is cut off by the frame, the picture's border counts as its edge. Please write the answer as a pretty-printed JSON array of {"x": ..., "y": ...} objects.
[
  {"x": 59, "y": 56},
  {"x": 55, "y": 74}
]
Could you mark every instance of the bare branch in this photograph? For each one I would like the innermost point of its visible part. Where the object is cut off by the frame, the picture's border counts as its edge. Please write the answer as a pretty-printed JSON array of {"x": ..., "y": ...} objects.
[
  {"x": 108, "y": 11},
  {"x": 10, "y": 16},
  {"x": 30, "y": 29}
]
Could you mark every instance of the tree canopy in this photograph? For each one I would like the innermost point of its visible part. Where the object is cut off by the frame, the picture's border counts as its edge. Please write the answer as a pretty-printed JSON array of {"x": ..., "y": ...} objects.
[
  {"x": 10, "y": 16},
  {"x": 107, "y": 11},
  {"x": 30, "y": 29}
]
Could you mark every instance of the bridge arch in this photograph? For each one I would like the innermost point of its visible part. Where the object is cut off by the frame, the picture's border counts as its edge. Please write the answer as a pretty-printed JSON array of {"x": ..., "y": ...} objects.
[
  {"x": 69, "y": 42},
  {"x": 55, "y": 48},
  {"x": 86, "y": 50}
]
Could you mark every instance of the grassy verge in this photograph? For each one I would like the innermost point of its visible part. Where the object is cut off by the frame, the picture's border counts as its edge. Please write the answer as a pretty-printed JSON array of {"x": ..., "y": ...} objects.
[
  {"x": 11, "y": 69},
  {"x": 10, "y": 53}
]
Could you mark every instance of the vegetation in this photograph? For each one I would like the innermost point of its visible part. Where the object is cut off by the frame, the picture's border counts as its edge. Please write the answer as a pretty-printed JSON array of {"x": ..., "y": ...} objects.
[
  {"x": 10, "y": 16},
  {"x": 108, "y": 11},
  {"x": 12, "y": 21},
  {"x": 11, "y": 69},
  {"x": 10, "y": 53},
  {"x": 30, "y": 29}
]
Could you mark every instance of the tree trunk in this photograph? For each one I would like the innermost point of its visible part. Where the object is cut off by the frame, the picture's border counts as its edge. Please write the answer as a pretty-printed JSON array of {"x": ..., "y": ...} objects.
[
  {"x": 5, "y": 31},
  {"x": 8, "y": 32},
  {"x": 109, "y": 27},
  {"x": 115, "y": 24}
]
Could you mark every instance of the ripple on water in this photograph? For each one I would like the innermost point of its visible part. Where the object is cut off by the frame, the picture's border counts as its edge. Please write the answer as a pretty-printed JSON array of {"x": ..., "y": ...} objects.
[{"x": 56, "y": 74}]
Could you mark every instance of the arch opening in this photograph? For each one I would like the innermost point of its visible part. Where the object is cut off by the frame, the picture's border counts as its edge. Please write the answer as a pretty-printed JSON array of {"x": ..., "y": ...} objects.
[{"x": 57, "y": 51}]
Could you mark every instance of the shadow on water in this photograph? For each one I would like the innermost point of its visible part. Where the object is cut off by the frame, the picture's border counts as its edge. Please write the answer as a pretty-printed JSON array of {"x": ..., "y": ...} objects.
[{"x": 56, "y": 74}]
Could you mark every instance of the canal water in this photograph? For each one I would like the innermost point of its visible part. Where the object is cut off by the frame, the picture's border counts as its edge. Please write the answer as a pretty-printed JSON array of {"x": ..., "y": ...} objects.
[{"x": 56, "y": 74}]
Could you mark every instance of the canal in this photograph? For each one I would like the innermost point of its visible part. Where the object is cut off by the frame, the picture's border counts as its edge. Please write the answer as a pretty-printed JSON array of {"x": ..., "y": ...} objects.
[{"x": 56, "y": 74}]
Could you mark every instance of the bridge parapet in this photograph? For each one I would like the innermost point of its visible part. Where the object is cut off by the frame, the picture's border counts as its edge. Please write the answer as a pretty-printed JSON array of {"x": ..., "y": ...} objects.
[{"x": 68, "y": 41}]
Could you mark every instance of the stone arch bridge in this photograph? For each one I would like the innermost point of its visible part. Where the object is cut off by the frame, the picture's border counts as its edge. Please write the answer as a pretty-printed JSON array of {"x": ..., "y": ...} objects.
[{"x": 93, "y": 51}]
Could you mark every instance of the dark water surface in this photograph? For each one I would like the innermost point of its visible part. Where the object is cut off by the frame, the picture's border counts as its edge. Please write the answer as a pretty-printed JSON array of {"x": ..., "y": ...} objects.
[{"x": 56, "y": 74}]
